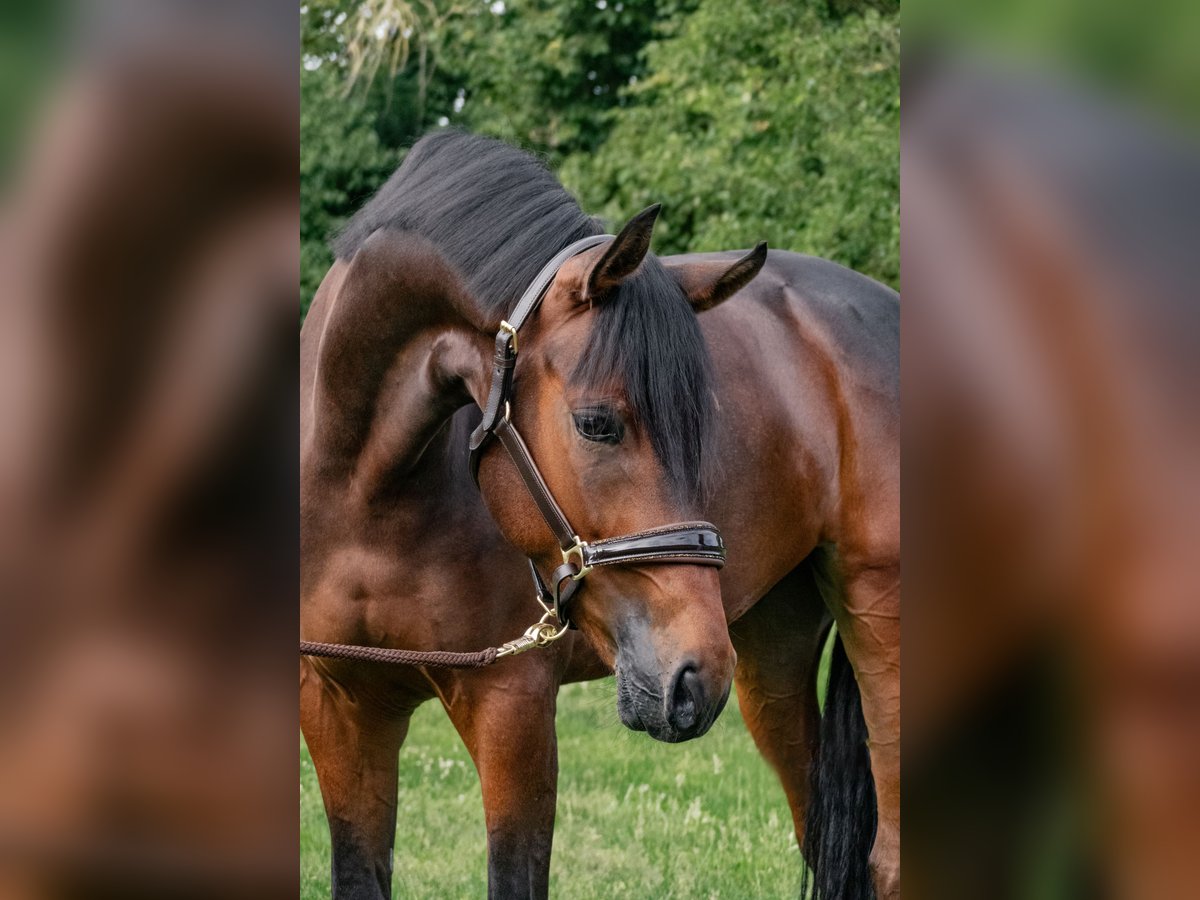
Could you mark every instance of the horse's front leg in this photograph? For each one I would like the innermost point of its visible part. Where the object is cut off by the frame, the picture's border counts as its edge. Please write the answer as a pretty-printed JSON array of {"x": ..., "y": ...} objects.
[
  {"x": 354, "y": 742},
  {"x": 505, "y": 715}
]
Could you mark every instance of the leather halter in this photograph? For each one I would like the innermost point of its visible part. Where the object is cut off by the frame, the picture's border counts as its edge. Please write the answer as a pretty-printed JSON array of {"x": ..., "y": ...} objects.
[{"x": 697, "y": 543}]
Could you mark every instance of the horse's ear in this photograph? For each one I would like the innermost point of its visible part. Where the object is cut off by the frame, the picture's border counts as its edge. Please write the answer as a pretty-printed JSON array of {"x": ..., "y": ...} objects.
[
  {"x": 623, "y": 255},
  {"x": 707, "y": 284}
]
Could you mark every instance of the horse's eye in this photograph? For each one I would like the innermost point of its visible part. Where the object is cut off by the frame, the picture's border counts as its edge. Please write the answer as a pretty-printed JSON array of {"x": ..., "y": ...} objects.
[{"x": 599, "y": 425}]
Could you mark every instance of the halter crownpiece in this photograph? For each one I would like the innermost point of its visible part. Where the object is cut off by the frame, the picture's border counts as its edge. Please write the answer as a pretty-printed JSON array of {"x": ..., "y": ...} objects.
[{"x": 697, "y": 543}]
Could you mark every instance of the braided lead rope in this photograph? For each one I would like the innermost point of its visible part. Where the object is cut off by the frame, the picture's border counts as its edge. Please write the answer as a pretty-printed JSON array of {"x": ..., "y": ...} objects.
[
  {"x": 546, "y": 631},
  {"x": 437, "y": 659}
]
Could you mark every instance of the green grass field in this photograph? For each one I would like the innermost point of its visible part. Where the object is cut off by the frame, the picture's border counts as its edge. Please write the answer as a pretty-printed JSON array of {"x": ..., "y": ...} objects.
[{"x": 636, "y": 818}]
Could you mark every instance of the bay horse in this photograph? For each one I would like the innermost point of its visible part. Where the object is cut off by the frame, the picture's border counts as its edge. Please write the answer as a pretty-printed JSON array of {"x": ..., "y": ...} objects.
[{"x": 644, "y": 399}]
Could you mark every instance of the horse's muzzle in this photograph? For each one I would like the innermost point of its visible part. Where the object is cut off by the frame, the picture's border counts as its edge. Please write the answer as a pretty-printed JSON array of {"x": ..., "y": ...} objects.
[{"x": 683, "y": 707}]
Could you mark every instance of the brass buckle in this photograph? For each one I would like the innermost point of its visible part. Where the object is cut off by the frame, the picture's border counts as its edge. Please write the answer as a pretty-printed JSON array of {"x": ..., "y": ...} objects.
[
  {"x": 543, "y": 633},
  {"x": 578, "y": 548},
  {"x": 504, "y": 326}
]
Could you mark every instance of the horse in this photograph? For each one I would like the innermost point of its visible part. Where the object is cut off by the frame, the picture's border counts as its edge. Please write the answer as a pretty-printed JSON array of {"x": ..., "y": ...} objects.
[{"x": 646, "y": 395}]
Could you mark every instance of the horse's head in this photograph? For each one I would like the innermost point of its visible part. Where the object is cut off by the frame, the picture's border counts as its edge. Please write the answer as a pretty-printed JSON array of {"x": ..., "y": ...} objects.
[{"x": 613, "y": 395}]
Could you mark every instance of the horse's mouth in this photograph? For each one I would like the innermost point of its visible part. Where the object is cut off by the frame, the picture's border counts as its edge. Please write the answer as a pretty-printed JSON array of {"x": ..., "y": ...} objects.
[{"x": 642, "y": 710}]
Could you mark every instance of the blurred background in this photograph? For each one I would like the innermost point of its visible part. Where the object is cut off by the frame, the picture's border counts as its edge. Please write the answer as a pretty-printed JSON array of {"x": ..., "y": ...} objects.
[
  {"x": 1050, "y": 188},
  {"x": 148, "y": 523}
]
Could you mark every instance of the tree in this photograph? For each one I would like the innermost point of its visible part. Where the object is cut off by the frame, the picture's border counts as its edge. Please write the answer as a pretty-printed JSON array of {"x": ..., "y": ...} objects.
[
  {"x": 544, "y": 74},
  {"x": 768, "y": 120},
  {"x": 342, "y": 161},
  {"x": 775, "y": 119}
]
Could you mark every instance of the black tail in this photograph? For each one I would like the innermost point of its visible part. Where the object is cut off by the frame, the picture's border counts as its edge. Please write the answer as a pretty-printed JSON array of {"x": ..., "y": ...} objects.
[{"x": 839, "y": 826}]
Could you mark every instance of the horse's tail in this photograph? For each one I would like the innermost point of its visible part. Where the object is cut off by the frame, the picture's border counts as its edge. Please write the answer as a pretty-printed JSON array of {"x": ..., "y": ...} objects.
[{"x": 839, "y": 825}]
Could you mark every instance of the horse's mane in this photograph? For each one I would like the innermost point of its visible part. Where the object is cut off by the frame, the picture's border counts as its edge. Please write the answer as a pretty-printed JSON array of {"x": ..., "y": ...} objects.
[
  {"x": 497, "y": 215},
  {"x": 494, "y": 212}
]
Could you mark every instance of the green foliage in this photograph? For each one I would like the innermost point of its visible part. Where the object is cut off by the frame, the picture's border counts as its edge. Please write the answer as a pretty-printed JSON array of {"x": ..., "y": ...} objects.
[
  {"x": 342, "y": 161},
  {"x": 543, "y": 74},
  {"x": 772, "y": 121}
]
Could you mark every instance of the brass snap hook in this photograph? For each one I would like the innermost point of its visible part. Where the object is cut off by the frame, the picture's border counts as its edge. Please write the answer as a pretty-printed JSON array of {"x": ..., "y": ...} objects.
[{"x": 540, "y": 634}]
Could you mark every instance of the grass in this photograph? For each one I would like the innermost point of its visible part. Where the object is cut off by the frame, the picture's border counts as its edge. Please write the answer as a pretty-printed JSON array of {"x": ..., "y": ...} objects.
[{"x": 704, "y": 819}]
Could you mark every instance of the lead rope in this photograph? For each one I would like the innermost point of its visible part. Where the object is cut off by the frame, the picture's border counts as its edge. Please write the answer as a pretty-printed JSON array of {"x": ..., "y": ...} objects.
[
  {"x": 435, "y": 659},
  {"x": 542, "y": 633},
  {"x": 539, "y": 635}
]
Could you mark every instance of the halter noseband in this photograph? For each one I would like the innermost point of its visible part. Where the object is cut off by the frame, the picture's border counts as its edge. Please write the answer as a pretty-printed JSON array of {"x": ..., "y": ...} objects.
[{"x": 697, "y": 543}]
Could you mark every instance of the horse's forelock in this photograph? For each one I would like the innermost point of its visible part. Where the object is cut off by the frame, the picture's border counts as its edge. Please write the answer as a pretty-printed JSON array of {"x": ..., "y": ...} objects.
[{"x": 647, "y": 340}]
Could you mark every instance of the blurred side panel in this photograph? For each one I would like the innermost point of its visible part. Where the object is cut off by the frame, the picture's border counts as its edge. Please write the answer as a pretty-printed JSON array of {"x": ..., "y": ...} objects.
[
  {"x": 148, "y": 520},
  {"x": 1050, "y": 197}
]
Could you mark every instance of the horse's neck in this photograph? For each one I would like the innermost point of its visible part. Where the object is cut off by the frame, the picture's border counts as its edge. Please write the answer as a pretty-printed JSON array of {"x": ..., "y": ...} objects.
[{"x": 390, "y": 353}]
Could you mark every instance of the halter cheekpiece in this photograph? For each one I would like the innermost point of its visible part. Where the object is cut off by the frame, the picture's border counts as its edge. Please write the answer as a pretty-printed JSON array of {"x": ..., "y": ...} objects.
[{"x": 697, "y": 543}]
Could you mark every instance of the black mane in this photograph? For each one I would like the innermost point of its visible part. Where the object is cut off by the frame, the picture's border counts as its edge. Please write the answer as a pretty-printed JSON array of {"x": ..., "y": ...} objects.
[{"x": 497, "y": 215}]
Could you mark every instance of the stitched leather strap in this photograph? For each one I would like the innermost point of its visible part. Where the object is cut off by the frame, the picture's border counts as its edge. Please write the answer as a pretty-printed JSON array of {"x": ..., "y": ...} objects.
[
  {"x": 503, "y": 363},
  {"x": 686, "y": 542},
  {"x": 506, "y": 354},
  {"x": 537, "y": 288},
  {"x": 551, "y": 511}
]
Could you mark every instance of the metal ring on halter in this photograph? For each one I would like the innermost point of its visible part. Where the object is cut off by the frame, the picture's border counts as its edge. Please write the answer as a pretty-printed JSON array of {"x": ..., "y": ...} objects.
[
  {"x": 577, "y": 550},
  {"x": 504, "y": 326}
]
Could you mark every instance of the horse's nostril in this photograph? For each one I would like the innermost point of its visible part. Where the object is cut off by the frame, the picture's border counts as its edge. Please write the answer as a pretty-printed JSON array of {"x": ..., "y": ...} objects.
[{"x": 685, "y": 699}]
